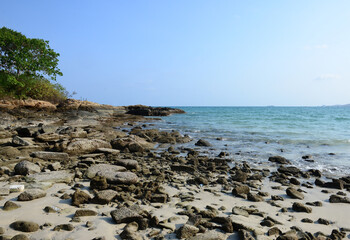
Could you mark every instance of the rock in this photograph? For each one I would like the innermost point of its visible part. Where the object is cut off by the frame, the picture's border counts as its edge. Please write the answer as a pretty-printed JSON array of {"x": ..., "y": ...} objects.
[
  {"x": 274, "y": 231},
  {"x": 31, "y": 194},
  {"x": 108, "y": 151},
  {"x": 52, "y": 209},
  {"x": 78, "y": 145},
  {"x": 159, "y": 198},
  {"x": 2, "y": 230},
  {"x": 25, "y": 167},
  {"x": 85, "y": 213},
  {"x": 65, "y": 227},
  {"x": 125, "y": 215},
  {"x": 103, "y": 169},
  {"x": 9, "y": 152},
  {"x": 255, "y": 197},
  {"x": 209, "y": 235},
  {"x": 307, "y": 220},
  {"x": 279, "y": 159},
  {"x": 58, "y": 156},
  {"x": 239, "y": 190},
  {"x": 240, "y": 211},
  {"x": 277, "y": 198},
  {"x": 104, "y": 196},
  {"x": 335, "y": 184},
  {"x": 182, "y": 168},
  {"x": 5, "y": 191},
  {"x": 9, "y": 205},
  {"x": 240, "y": 176},
  {"x": 245, "y": 235},
  {"x": 54, "y": 166},
  {"x": 128, "y": 163},
  {"x": 27, "y": 131},
  {"x": 20, "y": 237},
  {"x": 130, "y": 232},
  {"x": 293, "y": 171},
  {"x": 267, "y": 223},
  {"x": 194, "y": 220},
  {"x": 119, "y": 177},
  {"x": 132, "y": 143},
  {"x": 99, "y": 183},
  {"x": 338, "y": 199},
  {"x": 25, "y": 226},
  {"x": 63, "y": 176},
  {"x": 293, "y": 193},
  {"x": 152, "y": 111},
  {"x": 48, "y": 137},
  {"x": 18, "y": 141},
  {"x": 186, "y": 231},
  {"x": 315, "y": 204},
  {"x": 202, "y": 143},
  {"x": 80, "y": 197},
  {"x": 298, "y": 207}
]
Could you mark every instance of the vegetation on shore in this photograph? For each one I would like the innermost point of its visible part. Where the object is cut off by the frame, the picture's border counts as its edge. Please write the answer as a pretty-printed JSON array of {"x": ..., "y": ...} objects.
[{"x": 28, "y": 68}]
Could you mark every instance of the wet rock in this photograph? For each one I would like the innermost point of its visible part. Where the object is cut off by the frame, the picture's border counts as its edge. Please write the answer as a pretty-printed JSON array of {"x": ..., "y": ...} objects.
[
  {"x": 338, "y": 199},
  {"x": 279, "y": 159},
  {"x": 86, "y": 145},
  {"x": 85, "y": 213},
  {"x": 31, "y": 194},
  {"x": 58, "y": 156},
  {"x": 202, "y": 143},
  {"x": 315, "y": 172},
  {"x": 299, "y": 207},
  {"x": 104, "y": 196},
  {"x": 125, "y": 215},
  {"x": 293, "y": 193},
  {"x": 9, "y": 205},
  {"x": 25, "y": 167},
  {"x": 103, "y": 169},
  {"x": 186, "y": 231},
  {"x": 80, "y": 197},
  {"x": 64, "y": 227},
  {"x": 209, "y": 235},
  {"x": 25, "y": 226},
  {"x": 18, "y": 141}
]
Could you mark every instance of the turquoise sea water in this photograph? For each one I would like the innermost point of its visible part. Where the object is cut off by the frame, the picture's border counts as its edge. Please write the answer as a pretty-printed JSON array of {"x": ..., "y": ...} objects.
[{"x": 255, "y": 133}]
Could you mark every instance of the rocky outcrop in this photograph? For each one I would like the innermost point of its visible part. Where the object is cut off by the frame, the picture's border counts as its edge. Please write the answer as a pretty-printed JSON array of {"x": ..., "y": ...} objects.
[{"x": 152, "y": 111}]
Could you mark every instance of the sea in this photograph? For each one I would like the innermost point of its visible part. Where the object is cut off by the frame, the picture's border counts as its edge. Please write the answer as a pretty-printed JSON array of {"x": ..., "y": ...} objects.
[{"x": 253, "y": 134}]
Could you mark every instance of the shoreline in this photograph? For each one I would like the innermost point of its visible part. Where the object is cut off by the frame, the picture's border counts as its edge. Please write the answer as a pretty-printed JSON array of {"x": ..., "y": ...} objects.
[{"x": 82, "y": 162}]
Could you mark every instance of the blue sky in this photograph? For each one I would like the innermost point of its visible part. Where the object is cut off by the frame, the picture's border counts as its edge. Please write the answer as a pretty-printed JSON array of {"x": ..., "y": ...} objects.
[{"x": 195, "y": 53}]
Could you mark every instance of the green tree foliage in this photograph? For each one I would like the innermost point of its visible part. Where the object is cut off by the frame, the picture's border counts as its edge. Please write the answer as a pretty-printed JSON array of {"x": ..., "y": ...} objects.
[{"x": 27, "y": 65}]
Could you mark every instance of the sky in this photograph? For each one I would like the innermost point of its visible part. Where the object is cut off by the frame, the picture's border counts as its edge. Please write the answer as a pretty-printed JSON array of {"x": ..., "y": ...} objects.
[{"x": 195, "y": 52}]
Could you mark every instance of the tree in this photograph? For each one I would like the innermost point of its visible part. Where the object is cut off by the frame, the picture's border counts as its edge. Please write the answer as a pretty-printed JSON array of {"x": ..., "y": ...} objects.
[{"x": 24, "y": 61}]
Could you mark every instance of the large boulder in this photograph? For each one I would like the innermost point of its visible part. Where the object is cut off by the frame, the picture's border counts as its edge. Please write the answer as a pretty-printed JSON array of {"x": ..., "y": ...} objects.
[
  {"x": 25, "y": 167},
  {"x": 86, "y": 145},
  {"x": 132, "y": 143}
]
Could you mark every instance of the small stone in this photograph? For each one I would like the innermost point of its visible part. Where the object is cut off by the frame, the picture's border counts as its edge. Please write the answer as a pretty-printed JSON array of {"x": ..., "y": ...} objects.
[
  {"x": 104, "y": 196},
  {"x": 20, "y": 237},
  {"x": 9, "y": 205},
  {"x": 125, "y": 215},
  {"x": 307, "y": 220},
  {"x": 255, "y": 197},
  {"x": 25, "y": 167},
  {"x": 186, "y": 231},
  {"x": 267, "y": 223},
  {"x": 202, "y": 143},
  {"x": 80, "y": 197},
  {"x": 240, "y": 211},
  {"x": 65, "y": 227},
  {"x": 31, "y": 194},
  {"x": 293, "y": 193},
  {"x": 298, "y": 207},
  {"x": 338, "y": 199},
  {"x": 274, "y": 231},
  {"x": 323, "y": 221},
  {"x": 85, "y": 212}
]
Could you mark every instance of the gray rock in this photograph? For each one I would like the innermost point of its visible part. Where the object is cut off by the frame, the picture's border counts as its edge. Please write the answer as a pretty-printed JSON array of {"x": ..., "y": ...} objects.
[
  {"x": 58, "y": 156},
  {"x": 65, "y": 227},
  {"x": 119, "y": 177},
  {"x": 125, "y": 215},
  {"x": 20, "y": 237},
  {"x": 209, "y": 235},
  {"x": 85, "y": 213},
  {"x": 128, "y": 163},
  {"x": 18, "y": 141},
  {"x": 104, "y": 196},
  {"x": 240, "y": 211},
  {"x": 4, "y": 191},
  {"x": 255, "y": 197},
  {"x": 25, "y": 226},
  {"x": 54, "y": 166},
  {"x": 9, "y": 205},
  {"x": 202, "y": 143},
  {"x": 338, "y": 199},
  {"x": 77, "y": 146},
  {"x": 108, "y": 151},
  {"x": 31, "y": 194},
  {"x": 293, "y": 193},
  {"x": 52, "y": 177},
  {"x": 103, "y": 169},
  {"x": 240, "y": 176},
  {"x": 279, "y": 159},
  {"x": 80, "y": 197},
  {"x": 25, "y": 167}
]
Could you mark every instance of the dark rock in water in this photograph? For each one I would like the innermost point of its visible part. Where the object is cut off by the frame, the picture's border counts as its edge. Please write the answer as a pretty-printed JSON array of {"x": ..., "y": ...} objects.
[
  {"x": 306, "y": 157},
  {"x": 294, "y": 181},
  {"x": 9, "y": 205},
  {"x": 323, "y": 221},
  {"x": 319, "y": 182},
  {"x": 223, "y": 154},
  {"x": 338, "y": 199},
  {"x": 125, "y": 215},
  {"x": 293, "y": 193},
  {"x": 80, "y": 197},
  {"x": 25, "y": 226},
  {"x": 186, "y": 231},
  {"x": 152, "y": 111},
  {"x": 84, "y": 213},
  {"x": 315, "y": 172},
  {"x": 65, "y": 227},
  {"x": 298, "y": 207},
  {"x": 202, "y": 143},
  {"x": 279, "y": 159},
  {"x": 336, "y": 184},
  {"x": 240, "y": 176},
  {"x": 25, "y": 167},
  {"x": 31, "y": 194}
]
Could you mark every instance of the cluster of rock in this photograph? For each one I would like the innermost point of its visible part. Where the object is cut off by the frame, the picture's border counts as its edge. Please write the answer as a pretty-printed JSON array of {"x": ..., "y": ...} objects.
[{"x": 123, "y": 170}]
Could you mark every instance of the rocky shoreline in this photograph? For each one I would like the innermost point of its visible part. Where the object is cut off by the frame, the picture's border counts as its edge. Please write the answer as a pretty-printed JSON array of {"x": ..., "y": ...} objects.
[{"x": 81, "y": 170}]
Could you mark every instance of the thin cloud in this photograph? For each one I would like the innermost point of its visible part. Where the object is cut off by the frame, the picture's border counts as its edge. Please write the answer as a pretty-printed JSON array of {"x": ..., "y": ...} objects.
[
  {"x": 327, "y": 77},
  {"x": 317, "y": 46}
]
